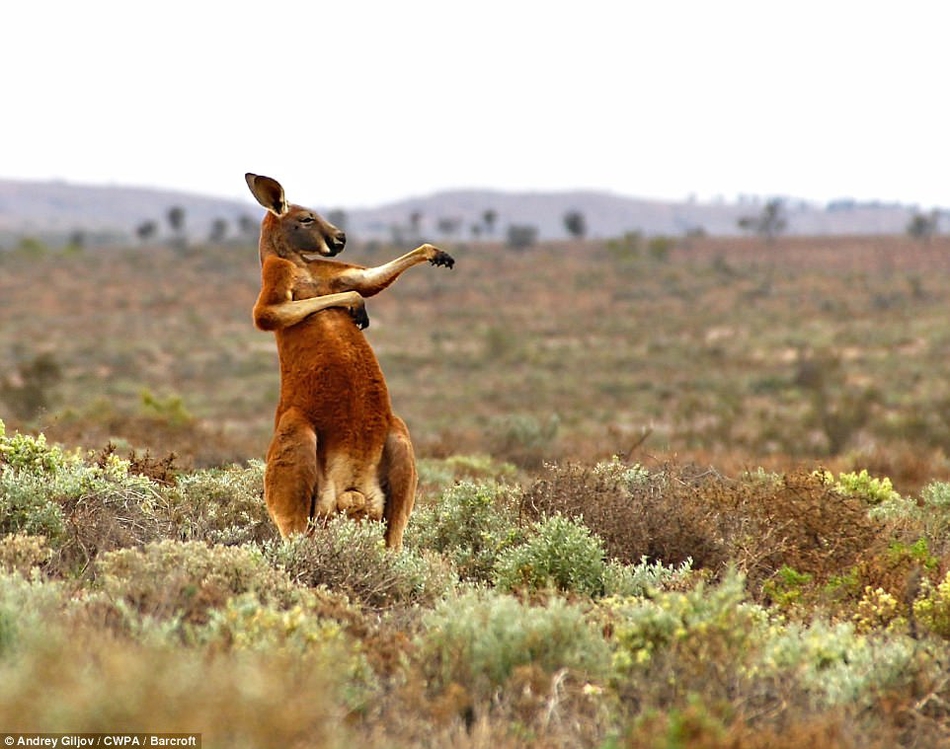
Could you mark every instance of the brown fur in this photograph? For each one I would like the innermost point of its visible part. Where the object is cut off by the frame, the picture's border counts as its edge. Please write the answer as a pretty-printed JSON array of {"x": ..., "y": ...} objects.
[{"x": 337, "y": 445}]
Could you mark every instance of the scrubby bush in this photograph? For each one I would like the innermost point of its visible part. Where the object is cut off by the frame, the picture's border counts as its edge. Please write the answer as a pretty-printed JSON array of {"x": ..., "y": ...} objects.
[
  {"x": 182, "y": 583},
  {"x": 523, "y": 439},
  {"x": 29, "y": 394},
  {"x": 245, "y": 624},
  {"x": 27, "y": 507},
  {"x": 22, "y": 554},
  {"x": 220, "y": 505},
  {"x": 683, "y": 512},
  {"x": 80, "y": 681},
  {"x": 558, "y": 554},
  {"x": 479, "y": 639},
  {"x": 351, "y": 558},
  {"x": 834, "y": 663},
  {"x": 861, "y": 484},
  {"x": 442, "y": 473},
  {"x": 81, "y": 508},
  {"x": 932, "y": 608},
  {"x": 26, "y": 603},
  {"x": 645, "y": 578},
  {"x": 24, "y": 452},
  {"x": 470, "y": 524},
  {"x": 704, "y": 628}
]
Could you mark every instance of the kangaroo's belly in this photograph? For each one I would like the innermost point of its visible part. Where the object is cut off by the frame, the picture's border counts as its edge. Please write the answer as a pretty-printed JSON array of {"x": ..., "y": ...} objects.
[{"x": 330, "y": 375}]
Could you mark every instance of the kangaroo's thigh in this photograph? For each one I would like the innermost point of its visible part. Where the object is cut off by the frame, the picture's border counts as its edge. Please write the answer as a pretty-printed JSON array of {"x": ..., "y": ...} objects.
[
  {"x": 290, "y": 478},
  {"x": 398, "y": 479}
]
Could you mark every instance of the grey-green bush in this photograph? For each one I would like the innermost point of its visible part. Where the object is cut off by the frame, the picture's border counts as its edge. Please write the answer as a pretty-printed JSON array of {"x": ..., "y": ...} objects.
[
  {"x": 559, "y": 553},
  {"x": 478, "y": 639},
  {"x": 471, "y": 524},
  {"x": 351, "y": 558}
]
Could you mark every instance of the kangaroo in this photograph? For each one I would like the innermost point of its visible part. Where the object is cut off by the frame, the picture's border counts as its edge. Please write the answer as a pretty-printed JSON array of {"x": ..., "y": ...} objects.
[{"x": 337, "y": 445}]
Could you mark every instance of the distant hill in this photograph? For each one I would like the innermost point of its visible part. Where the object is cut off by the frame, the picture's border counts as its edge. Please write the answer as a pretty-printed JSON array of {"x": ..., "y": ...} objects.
[{"x": 57, "y": 209}]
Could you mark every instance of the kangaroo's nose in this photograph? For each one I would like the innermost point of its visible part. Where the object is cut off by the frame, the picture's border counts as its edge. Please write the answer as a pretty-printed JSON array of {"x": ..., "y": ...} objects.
[{"x": 339, "y": 241}]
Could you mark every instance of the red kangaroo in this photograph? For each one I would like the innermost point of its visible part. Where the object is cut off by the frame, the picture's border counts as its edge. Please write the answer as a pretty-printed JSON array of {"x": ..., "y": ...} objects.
[{"x": 337, "y": 445}]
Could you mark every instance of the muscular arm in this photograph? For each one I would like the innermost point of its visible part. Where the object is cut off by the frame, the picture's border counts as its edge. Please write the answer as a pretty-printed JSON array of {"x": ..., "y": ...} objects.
[
  {"x": 370, "y": 281},
  {"x": 276, "y": 307}
]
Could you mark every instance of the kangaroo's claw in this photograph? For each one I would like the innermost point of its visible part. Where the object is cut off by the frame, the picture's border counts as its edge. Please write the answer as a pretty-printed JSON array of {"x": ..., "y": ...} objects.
[
  {"x": 360, "y": 317},
  {"x": 442, "y": 258}
]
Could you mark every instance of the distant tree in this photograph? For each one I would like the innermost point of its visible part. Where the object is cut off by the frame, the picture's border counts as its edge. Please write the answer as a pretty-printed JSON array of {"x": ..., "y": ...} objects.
[
  {"x": 247, "y": 224},
  {"x": 521, "y": 236},
  {"x": 146, "y": 230},
  {"x": 397, "y": 234},
  {"x": 415, "y": 222},
  {"x": 448, "y": 227},
  {"x": 489, "y": 217},
  {"x": 576, "y": 224},
  {"x": 77, "y": 240},
  {"x": 923, "y": 225},
  {"x": 476, "y": 230},
  {"x": 769, "y": 223},
  {"x": 219, "y": 229},
  {"x": 176, "y": 220}
]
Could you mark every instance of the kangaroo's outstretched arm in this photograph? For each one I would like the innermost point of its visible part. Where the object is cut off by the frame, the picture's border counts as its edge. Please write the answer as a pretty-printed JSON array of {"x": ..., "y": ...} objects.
[
  {"x": 370, "y": 281},
  {"x": 276, "y": 308}
]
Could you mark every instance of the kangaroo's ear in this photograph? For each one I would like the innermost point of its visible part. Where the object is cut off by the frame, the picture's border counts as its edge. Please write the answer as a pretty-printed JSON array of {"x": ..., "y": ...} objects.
[{"x": 268, "y": 192}]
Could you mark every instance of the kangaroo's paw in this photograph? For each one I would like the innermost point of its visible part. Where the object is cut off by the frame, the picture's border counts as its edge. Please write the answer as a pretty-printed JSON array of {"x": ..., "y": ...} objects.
[
  {"x": 360, "y": 317},
  {"x": 440, "y": 257},
  {"x": 358, "y": 311}
]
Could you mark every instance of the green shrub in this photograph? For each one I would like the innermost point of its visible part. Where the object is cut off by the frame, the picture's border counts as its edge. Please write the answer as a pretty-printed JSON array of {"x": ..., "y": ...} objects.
[
  {"x": 478, "y": 640},
  {"x": 932, "y": 607},
  {"x": 22, "y": 554},
  {"x": 523, "y": 439},
  {"x": 833, "y": 663},
  {"x": 471, "y": 524},
  {"x": 81, "y": 508},
  {"x": 787, "y": 586},
  {"x": 558, "y": 554},
  {"x": 626, "y": 248},
  {"x": 26, "y": 604},
  {"x": 443, "y": 473},
  {"x": 620, "y": 475},
  {"x": 220, "y": 505},
  {"x": 181, "y": 583},
  {"x": 27, "y": 505},
  {"x": 351, "y": 558},
  {"x": 644, "y": 578},
  {"x": 707, "y": 627},
  {"x": 23, "y": 452},
  {"x": 245, "y": 624},
  {"x": 872, "y": 490},
  {"x": 171, "y": 409},
  {"x": 930, "y": 514},
  {"x": 84, "y": 682},
  {"x": 660, "y": 247}
]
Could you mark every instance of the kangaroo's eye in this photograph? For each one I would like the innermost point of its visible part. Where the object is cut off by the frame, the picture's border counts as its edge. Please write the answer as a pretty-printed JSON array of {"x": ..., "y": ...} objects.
[{"x": 306, "y": 220}]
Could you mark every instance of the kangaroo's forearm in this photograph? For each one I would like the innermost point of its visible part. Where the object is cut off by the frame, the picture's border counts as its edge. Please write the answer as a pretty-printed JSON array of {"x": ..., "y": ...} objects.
[
  {"x": 291, "y": 312},
  {"x": 370, "y": 281}
]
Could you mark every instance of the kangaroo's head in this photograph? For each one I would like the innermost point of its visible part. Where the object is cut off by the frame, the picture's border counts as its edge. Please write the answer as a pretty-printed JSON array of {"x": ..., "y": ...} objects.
[{"x": 292, "y": 231}]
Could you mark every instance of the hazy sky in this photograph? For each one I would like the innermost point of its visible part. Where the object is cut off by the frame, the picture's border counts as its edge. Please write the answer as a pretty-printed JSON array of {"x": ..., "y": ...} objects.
[{"x": 352, "y": 103}]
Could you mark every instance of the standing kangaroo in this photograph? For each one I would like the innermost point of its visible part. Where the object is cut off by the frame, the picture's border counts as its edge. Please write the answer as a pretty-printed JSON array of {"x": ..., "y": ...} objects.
[{"x": 337, "y": 444}]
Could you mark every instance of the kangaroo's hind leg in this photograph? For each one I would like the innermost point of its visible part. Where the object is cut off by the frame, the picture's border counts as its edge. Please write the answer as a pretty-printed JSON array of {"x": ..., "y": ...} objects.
[
  {"x": 398, "y": 480},
  {"x": 290, "y": 479}
]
